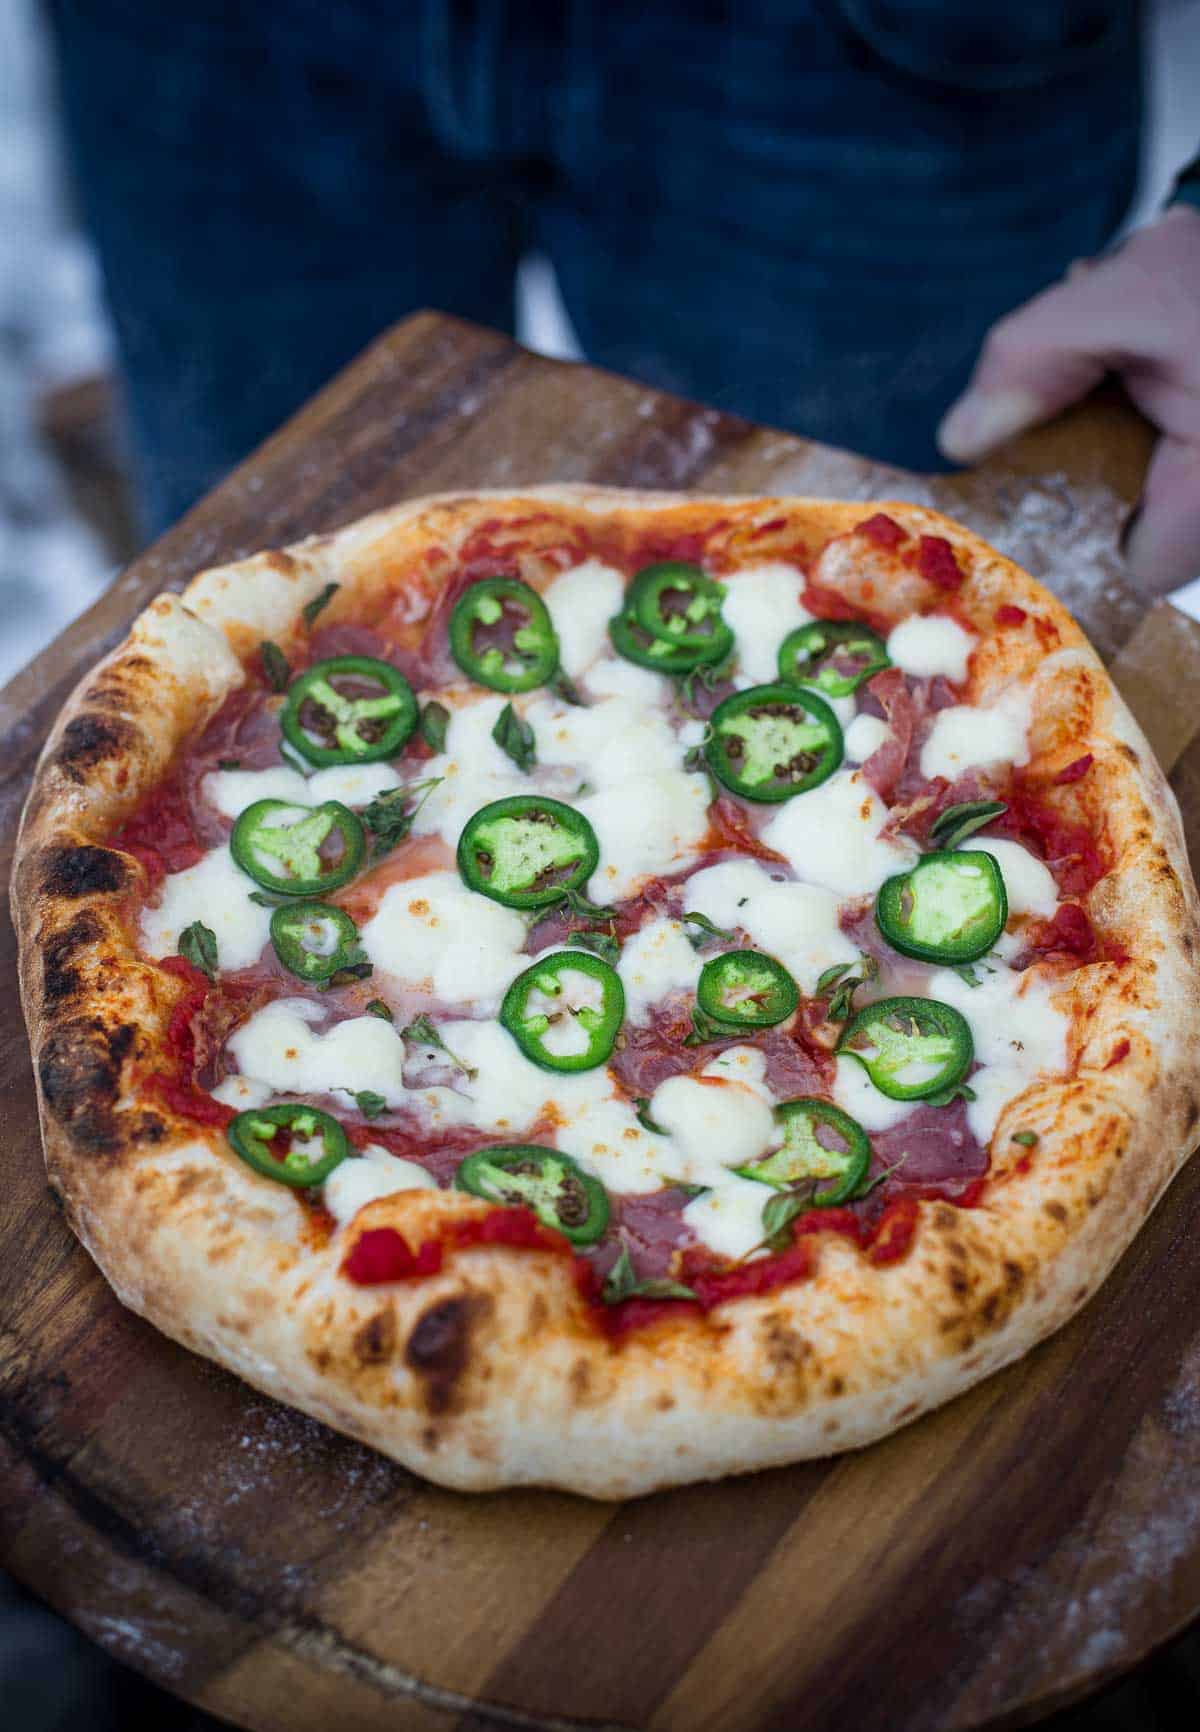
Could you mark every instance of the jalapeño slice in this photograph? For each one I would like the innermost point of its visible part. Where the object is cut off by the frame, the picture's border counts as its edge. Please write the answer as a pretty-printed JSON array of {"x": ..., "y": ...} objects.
[
  {"x": 952, "y": 907},
  {"x": 834, "y": 655},
  {"x": 820, "y": 1142},
  {"x": 630, "y": 640},
  {"x": 773, "y": 742},
  {"x": 745, "y": 989},
  {"x": 909, "y": 1047},
  {"x": 298, "y": 850},
  {"x": 566, "y": 1011},
  {"x": 349, "y": 710},
  {"x": 501, "y": 635},
  {"x": 560, "y": 1194},
  {"x": 677, "y": 604},
  {"x": 314, "y": 940},
  {"x": 290, "y": 1143},
  {"x": 527, "y": 851}
]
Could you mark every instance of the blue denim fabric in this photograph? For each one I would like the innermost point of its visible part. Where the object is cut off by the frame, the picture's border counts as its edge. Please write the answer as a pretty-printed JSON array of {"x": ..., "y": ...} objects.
[{"x": 808, "y": 213}]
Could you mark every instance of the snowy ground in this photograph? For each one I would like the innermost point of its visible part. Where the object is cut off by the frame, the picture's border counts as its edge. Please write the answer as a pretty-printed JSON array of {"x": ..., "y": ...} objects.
[{"x": 53, "y": 330}]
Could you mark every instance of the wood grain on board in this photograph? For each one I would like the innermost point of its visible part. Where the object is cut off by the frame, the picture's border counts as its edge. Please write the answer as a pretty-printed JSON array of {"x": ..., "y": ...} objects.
[{"x": 1006, "y": 1553}]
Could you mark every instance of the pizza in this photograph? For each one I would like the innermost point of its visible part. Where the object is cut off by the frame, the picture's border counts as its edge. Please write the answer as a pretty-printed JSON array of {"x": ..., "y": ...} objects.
[{"x": 606, "y": 989}]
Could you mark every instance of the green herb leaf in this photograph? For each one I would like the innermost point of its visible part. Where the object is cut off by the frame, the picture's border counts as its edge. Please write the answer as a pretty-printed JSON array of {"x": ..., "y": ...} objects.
[
  {"x": 709, "y": 676},
  {"x": 578, "y": 903},
  {"x": 435, "y": 719},
  {"x": 357, "y": 966},
  {"x": 369, "y": 1104},
  {"x": 868, "y": 1185},
  {"x": 567, "y": 690},
  {"x": 945, "y": 1097},
  {"x": 603, "y": 944},
  {"x": 841, "y": 1004},
  {"x": 275, "y": 667},
  {"x": 319, "y": 602},
  {"x": 967, "y": 974},
  {"x": 951, "y": 828},
  {"x": 390, "y": 815},
  {"x": 229, "y": 763},
  {"x": 621, "y": 1283},
  {"x": 830, "y": 978},
  {"x": 515, "y": 737},
  {"x": 198, "y": 945},
  {"x": 378, "y": 1008},
  {"x": 1027, "y": 1139},
  {"x": 421, "y": 1032},
  {"x": 779, "y": 1211},
  {"x": 642, "y": 1104},
  {"x": 705, "y": 931},
  {"x": 267, "y": 899},
  {"x": 704, "y": 1029}
]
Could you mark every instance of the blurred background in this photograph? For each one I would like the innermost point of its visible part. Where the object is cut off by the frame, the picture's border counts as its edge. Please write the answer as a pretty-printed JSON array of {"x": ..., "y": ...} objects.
[{"x": 68, "y": 522}]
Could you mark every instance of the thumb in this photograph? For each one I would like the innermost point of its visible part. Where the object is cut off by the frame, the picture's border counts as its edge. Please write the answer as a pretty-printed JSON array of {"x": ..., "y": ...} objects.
[{"x": 1162, "y": 539}]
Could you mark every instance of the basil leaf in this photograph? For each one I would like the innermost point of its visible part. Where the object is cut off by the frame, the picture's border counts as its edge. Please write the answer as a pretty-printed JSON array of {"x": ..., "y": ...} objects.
[
  {"x": 602, "y": 944},
  {"x": 868, "y": 1185},
  {"x": 827, "y": 981},
  {"x": 945, "y": 1097},
  {"x": 967, "y": 974},
  {"x": 266, "y": 899},
  {"x": 578, "y": 903},
  {"x": 659, "y": 1287},
  {"x": 319, "y": 602},
  {"x": 515, "y": 737},
  {"x": 706, "y": 931},
  {"x": 1027, "y": 1139},
  {"x": 704, "y": 1029},
  {"x": 952, "y": 827},
  {"x": 779, "y": 1211},
  {"x": 567, "y": 690},
  {"x": 357, "y": 966},
  {"x": 275, "y": 667},
  {"x": 378, "y": 1008},
  {"x": 369, "y": 1104},
  {"x": 841, "y": 1004},
  {"x": 621, "y": 1282},
  {"x": 421, "y": 1032},
  {"x": 198, "y": 945},
  {"x": 641, "y": 1102},
  {"x": 435, "y": 719},
  {"x": 390, "y": 815}
]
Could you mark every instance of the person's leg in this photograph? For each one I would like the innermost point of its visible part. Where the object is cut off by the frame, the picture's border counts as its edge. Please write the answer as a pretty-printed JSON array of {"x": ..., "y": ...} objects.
[
  {"x": 269, "y": 186},
  {"x": 783, "y": 210}
]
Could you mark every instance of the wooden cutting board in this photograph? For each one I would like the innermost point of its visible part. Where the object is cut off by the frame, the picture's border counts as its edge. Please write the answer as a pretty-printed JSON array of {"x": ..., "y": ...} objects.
[{"x": 999, "y": 1557}]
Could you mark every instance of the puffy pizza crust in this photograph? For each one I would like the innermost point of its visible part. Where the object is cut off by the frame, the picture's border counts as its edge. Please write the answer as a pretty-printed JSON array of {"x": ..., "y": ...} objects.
[{"x": 491, "y": 1373}]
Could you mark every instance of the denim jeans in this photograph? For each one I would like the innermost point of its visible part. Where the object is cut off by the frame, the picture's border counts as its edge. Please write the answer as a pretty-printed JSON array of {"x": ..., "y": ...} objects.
[{"x": 806, "y": 212}]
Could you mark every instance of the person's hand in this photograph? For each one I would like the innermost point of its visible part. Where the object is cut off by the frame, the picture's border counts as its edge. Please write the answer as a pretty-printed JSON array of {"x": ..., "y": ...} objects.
[{"x": 1134, "y": 312}]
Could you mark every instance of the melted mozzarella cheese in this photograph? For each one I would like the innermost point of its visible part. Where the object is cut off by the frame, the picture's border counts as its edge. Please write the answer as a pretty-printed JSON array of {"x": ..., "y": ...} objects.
[
  {"x": 966, "y": 738},
  {"x": 745, "y": 1065},
  {"x": 797, "y": 923},
  {"x": 439, "y": 937},
  {"x": 857, "y": 1095},
  {"x": 613, "y": 677},
  {"x": 508, "y": 1093},
  {"x": 650, "y": 824},
  {"x": 762, "y": 605},
  {"x": 729, "y": 1218},
  {"x": 581, "y": 603},
  {"x": 865, "y": 735},
  {"x": 352, "y": 784},
  {"x": 608, "y": 1142},
  {"x": 278, "y": 1047},
  {"x": 373, "y": 1174},
  {"x": 715, "y": 1124},
  {"x": 242, "y": 1093},
  {"x": 605, "y": 743},
  {"x": 216, "y": 892},
  {"x": 833, "y": 835},
  {"x": 929, "y": 644},
  {"x": 1018, "y": 1034},
  {"x": 231, "y": 791},
  {"x": 471, "y": 772},
  {"x": 1029, "y": 884},
  {"x": 657, "y": 961}
]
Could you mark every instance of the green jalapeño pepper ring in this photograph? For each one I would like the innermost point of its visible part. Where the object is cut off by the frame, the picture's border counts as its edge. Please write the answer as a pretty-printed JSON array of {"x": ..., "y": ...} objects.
[
  {"x": 560, "y": 1194},
  {"x": 834, "y": 655},
  {"x": 290, "y": 1143},
  {"x": 745, "y": 989},
  {"x": 951, "y": 908},
  {"x": 909, "y": 1047},
  {"x": 820, "y": 1141},
  {"x": 527, "y": 851},
  {"x": 663, "y": 656},
  {"x": 677, "y": 604},
  {"x": 501, "y": 635},
  {"x": 314, "y": 940},
  {"x": 286, "y": 848},
  {"x": 349, "y": 710},
  {"x": 566, "y": 1011},
  {"x": 772, "y": 742}
]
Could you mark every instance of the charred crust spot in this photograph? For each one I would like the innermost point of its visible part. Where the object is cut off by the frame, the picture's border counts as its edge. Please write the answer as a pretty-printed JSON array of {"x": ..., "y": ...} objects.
[
  {"x": 80, "y": 1072},
  {"x": 279, "y": 561},
  {"x": 990, "y": 1308},
  {"x": 1014, "y": 1275},
  {"x": 375, "y": 1342},
  {"x": 1192, "y": 1111},
  {"x": 539, "y": 1311},
  {"x": 83, "y": 871},
  {"x": 1057, "y": 1211},
  {"x": 580, "y": 1379},
  {"x": 59, "y": 977},
  {"x": 89, "y": 739},
  {"x": 439, "y": 1347},
  {"x": 956, "y": 1249},
  {"x": 837, "y": 1386},
  {"x": 957, "y": 1281},
  {"x": 944, "y": 1218},
  {"x": 664, "y": 1402}
]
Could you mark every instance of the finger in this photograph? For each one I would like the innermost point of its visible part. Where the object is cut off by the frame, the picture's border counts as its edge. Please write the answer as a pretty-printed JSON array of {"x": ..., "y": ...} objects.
[{"x": 1162, "y": 542}]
